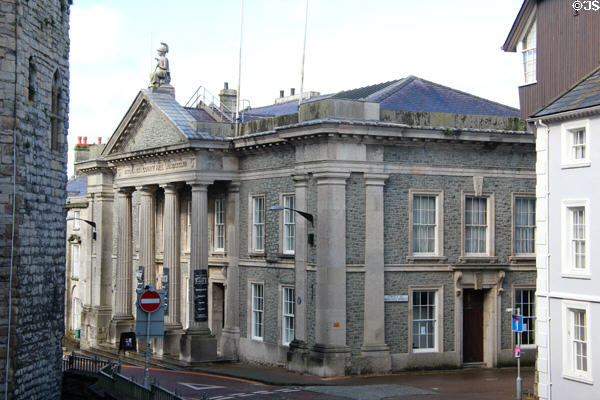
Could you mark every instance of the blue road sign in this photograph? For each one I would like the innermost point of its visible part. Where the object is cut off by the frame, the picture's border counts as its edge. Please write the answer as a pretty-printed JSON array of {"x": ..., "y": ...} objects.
[{"x": 517, "y": 323}]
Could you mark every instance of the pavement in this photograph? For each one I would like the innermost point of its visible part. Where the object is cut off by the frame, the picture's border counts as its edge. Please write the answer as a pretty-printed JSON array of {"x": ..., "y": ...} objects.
[
  {"x": 458, "y": 384},
  {"x": 236, "y": 380}
]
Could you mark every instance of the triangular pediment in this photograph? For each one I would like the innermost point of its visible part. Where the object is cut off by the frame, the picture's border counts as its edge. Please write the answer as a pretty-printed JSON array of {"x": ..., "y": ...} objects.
[{"x": 151, "y": 122}]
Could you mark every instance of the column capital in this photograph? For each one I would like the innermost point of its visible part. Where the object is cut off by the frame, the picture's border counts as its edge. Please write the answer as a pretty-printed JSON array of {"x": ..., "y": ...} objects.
[
  {"x": 234, "y": 186},
  {"x": 171, "y": 187},
  {"x": 124, "y": 190},
  {"x": 331, "y": 178},
  {"x": 375, "y": 179},
  {"x": 146, "y": 189},
  {"x": 199, "y": 185},
  {"x": 300, "y": 180}
]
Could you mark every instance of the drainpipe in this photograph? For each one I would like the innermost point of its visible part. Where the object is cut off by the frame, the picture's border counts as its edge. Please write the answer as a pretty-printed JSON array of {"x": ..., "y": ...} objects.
[
  {"x": 549, "y": 320},
  {"x": 14, "y": 201}
]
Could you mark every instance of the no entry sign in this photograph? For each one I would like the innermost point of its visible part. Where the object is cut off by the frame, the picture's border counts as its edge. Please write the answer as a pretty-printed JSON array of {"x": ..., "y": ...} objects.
[{"x": 150, "y": 301}]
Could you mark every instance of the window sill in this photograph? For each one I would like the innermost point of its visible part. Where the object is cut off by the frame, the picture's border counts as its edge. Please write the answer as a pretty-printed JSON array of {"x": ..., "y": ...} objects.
[
  {"x": 426, "y": 257},
  {"x": 574, "y": 275},
  {"x": 469, "y": 259},
  {"x": 576, "y": 164},
  {"x": 522, "y": 258},
  {"x": 286, "y": 255},
  {"x": 256, "y": 254},
  {"x": 583, "y": 379},
  {"x": 218, "y": 254},
  {"x": 424, "y": 351},
  {"x": 258, "y": 339}
]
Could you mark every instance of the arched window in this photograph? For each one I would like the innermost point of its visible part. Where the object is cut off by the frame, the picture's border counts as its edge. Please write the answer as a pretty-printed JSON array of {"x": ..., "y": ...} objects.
[
  {"x": 54, "y": 115},
  {"x": 32, "y": 79}
]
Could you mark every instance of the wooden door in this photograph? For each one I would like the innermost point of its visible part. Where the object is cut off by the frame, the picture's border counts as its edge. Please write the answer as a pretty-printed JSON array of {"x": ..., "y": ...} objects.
[{"x": 472, "y": 326}]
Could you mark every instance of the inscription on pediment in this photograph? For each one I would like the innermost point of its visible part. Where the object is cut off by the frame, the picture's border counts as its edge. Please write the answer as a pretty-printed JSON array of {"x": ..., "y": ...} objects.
[{"x": 149, "y": 168}]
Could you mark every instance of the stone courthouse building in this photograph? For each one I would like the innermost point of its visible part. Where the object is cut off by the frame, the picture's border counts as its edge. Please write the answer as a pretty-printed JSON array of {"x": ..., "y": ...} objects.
[
  {"x": 418, "y": 229},
  {"x": 34, "y": 92}
]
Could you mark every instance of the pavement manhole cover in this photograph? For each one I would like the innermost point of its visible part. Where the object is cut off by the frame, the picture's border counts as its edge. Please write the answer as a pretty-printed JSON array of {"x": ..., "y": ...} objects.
[{"x": 368, "y": 392}]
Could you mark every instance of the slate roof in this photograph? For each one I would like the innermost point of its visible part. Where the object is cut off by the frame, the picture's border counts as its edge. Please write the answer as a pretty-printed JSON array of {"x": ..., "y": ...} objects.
[
  {"x": 199, "y": 114},
  {"x": 584, "y": 94},
  {"x": 407, "y": 94},
  {"x": 177, "y": 114},
  {"x": 77, "y": 186}
]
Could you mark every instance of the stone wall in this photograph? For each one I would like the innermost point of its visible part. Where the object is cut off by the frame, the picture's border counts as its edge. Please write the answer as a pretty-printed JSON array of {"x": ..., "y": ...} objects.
[
  {"x": 29, "y": 59},
  {"x": 396, "y": 199}
]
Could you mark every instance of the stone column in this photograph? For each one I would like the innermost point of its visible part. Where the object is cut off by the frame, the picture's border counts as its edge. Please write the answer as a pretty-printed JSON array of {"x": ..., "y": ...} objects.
[
  {"x": 230, "y": 336},
  {"x": 122, "y": 320},
  {"x": 330, "y": 354},
  {"x": 147, "y": 226},
  {"x": 298, "y": 352},
  {"x": 102, "y": 267},
  {"x": 171, "y": 237},
  {"x": 374, "y": 349},
  {"x": 198, "y": 344}
]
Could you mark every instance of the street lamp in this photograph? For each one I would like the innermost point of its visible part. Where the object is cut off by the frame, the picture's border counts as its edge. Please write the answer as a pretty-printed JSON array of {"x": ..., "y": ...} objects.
[
  {"x": 309, "y": 217},
  {"x": 92, "y": 223}
]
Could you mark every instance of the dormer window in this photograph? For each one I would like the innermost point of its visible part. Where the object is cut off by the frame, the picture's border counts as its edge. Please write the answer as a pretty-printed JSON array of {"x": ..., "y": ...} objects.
[{"x": 529, "y": 56}]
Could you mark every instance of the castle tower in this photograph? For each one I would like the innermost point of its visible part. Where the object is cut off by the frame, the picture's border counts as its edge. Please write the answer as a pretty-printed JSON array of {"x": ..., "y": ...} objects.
[{"x": 34, "y": 94}]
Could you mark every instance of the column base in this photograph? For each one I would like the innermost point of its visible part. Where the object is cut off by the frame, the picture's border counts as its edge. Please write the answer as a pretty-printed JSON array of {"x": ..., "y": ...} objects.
[
  {"x": 329, "y": 361},
  {"x": 298, "y": 356},
  {"x": 374, "y": 358},
  {"x": 198, "y": 345},
  {"x": 170, "y": 344},
  {"x": 230, "y": 343},
  {"x": 118, "y": 325}
]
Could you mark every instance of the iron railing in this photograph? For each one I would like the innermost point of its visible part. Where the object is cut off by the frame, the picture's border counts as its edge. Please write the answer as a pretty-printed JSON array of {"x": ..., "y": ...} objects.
[
  {"x": 203, "y": 96},
  {"x": 73, "y": 362},
  {"x": 111, "y": 381}
]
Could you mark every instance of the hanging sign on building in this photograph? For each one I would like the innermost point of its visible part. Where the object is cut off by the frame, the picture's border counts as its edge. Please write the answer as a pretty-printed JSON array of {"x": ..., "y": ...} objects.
[
  {"x": 200, "y": 295},
  {"x": 395, "y": 298}
]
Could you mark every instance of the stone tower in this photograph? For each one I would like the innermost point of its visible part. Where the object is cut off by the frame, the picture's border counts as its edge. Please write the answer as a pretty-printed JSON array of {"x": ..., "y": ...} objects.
[{"x": 34, "y": 91}]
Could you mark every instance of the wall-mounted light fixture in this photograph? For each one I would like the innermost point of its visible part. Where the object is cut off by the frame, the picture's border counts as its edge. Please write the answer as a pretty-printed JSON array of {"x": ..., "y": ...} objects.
[
  {"x": 309, "y": 217},
  {"x": 91, "y": 223}
]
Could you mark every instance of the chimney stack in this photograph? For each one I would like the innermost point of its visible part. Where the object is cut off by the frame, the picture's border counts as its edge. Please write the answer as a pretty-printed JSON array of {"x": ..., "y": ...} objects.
[
  {"x": 78, "y": 139},
  {"x": 99, "y": 140},
  {"x": 227, "y": 98},
  {"x": 85, "y": 140}
]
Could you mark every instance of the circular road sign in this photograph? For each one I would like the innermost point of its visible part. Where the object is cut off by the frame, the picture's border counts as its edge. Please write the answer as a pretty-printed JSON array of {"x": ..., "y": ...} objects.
[{"x": 150, "y": 301}]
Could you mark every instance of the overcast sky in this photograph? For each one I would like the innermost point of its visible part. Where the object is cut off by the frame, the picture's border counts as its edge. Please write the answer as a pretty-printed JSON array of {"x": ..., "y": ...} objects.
[{"x": 350, "y": 43}]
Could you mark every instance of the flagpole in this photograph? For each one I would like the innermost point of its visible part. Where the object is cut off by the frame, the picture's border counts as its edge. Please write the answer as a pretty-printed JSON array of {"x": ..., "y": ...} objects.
[
  {"x": 303, "y": 57},
  {"x": 237, "y": 99}
]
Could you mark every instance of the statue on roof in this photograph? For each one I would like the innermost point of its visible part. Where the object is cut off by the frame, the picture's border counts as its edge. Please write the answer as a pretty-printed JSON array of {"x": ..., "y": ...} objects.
[{"x": 161, "y": 75}]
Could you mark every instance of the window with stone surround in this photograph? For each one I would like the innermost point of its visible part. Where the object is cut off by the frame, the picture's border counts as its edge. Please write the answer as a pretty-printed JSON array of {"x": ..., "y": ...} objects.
[
  {"x": 425, "y": 318},
  {"x": 257, "y": 311},
  {"x": 577, "y": 363},
  {"x": 289, "y": 224},
  {"x": 524, "y": 226},
  {"x": 258, "y": 224},
  {"x": 425, "y": 224},
  {"x": 31, "y": 89},
  {"x": 219, "y": 225},
  {"x": 76, "y": 219},
  {"x": 75, "y": 260},
  {"x": 288, "y": 308},
  {"x": 524, "y": 301},
  {"x": 478, "y": 226}
]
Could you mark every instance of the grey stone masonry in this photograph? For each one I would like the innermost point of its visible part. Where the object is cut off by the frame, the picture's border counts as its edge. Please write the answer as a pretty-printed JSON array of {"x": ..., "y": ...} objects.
[
  {"x": 397, "y": 316},
  {"x": 34, "y": 95},
  {"x": 355, "y": 219},
  {"x": 396, "y": 199}
]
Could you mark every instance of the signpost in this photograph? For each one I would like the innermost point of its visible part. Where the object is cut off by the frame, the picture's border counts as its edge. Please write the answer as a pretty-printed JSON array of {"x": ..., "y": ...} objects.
[
  {"x": 517, "y": 326},
  {"x": 150, "y": 302}
]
